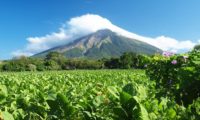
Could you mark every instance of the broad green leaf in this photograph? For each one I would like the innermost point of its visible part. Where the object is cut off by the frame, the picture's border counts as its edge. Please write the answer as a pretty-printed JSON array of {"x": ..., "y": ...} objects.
[
  {"x": 98, "y": 100},
  {"x": 120, "y": 113},
  {"x": 142, "y": 94},
  {"x": 3, "y": 93},
  {"x": 129, "y": 88},
  {"x": 124, "y": 97},
  {"x": 171, "y": 113},
  {"x": 143, "y": 114},
  {"x": 63, "y": 102},
  {"x": 113, "y": 91},
  {"x": 7, "y": 116}
]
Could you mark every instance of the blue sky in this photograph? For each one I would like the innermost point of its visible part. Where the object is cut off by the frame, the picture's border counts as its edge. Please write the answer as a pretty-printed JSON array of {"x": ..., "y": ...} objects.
[{"x": 22, "y": 19}]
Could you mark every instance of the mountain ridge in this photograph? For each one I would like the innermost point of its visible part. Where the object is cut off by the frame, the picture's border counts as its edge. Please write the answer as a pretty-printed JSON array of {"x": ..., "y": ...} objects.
[{"x": 102, "y": 44}]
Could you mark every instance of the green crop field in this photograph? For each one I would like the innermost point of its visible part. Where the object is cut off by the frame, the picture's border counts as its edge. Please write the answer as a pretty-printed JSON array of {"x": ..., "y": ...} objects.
[
  {"x": 83, "y": 95},
  {"x": 87, "y": 94}
]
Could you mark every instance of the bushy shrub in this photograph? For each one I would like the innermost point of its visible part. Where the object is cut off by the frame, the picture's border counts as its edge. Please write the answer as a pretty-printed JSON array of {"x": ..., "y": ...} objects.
[
  {"x": 177, "y": 75},
  {"x": 31, "y": 67},
  {"x": 14, "y": 65},
  {"x": 142, "y": 61},
  {"x": 52, "y": 65},
  {"x": 127, "y": 61}
]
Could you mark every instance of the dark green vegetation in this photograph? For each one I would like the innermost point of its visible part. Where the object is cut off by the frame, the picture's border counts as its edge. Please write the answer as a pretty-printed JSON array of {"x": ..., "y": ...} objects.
[
  {"x": 177, "y": 76},
  {"x": 102, "y": 44},
  {"x": 197, "y": 47},
  {"x": 56, "y": 61}
]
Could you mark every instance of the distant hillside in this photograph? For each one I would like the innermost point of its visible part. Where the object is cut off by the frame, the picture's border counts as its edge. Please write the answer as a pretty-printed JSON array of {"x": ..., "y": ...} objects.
[{"x": 102, "y": 44}]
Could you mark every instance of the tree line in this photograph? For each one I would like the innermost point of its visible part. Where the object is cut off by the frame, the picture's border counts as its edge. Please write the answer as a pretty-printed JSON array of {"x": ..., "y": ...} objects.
[{"x": 56, "y": 61}]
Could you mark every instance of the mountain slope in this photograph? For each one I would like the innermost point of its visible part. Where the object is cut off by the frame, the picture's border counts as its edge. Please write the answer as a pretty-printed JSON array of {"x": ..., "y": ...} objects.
[{"x": 102, "y": 44}]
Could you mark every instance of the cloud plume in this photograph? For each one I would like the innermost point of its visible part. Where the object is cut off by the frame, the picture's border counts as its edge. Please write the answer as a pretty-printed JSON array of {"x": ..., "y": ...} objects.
[{"x": 89, "y": 23}]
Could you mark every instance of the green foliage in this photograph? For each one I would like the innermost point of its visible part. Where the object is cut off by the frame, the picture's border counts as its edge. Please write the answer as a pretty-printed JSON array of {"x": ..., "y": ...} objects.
[
  {"x": 82, "y": 64},
  {"x": 128, "y": 60},
  {"x": 60, "y": 107},
  {"x": 71, "y": 94},
  {"x": 31, "y": 67},
  {"x": 113, "y": 63},
  {"x": 130, "y": 108},
  {"x": 197, "y": 47},
  {"x": 51, "y": 65},
  {"x": 53, "y": 61},
  {"x": 3, "y": 93},
  {"x": 88, "y": 95},
  {"x": 177, "y": 76},
  {"x": 22, "y": 64},
  {"x": 170, "y": 91},
  {"x": 53, "y": 56},
  {"x": 6, "y": 116},
  {"x": 194, "y": 110}
]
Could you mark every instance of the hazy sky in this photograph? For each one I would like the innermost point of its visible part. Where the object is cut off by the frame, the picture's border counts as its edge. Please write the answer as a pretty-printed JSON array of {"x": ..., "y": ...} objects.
[{"x": 24, "y": 22}]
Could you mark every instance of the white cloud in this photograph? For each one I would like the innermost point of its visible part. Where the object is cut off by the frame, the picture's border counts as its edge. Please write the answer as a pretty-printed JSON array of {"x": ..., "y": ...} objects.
[{"x": 86, "y": 24}]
